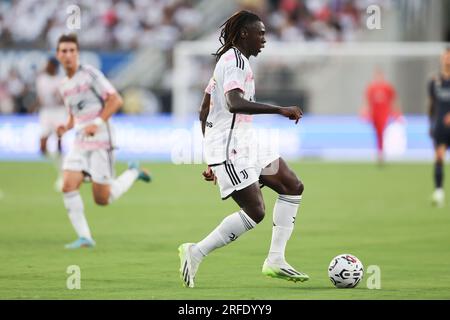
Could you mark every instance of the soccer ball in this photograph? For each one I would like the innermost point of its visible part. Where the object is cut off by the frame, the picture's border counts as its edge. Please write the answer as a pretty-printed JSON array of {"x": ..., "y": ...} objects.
[{"x": 345, "y": 271}]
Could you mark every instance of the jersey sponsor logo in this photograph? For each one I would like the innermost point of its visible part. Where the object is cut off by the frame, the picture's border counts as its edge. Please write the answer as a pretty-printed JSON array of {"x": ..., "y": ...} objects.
[
  {"x": 209, "y": 124},
  {"x": 244, "y": 118},
  {"x": 75, "y": 90}
]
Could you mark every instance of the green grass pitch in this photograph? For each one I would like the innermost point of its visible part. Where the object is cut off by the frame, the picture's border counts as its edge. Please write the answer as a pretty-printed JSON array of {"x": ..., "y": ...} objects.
[{"x": 381, "y": 215}]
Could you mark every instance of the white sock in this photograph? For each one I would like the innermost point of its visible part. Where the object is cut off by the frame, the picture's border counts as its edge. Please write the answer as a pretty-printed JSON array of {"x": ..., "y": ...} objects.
[
  {"x": 227, "y": 231},
  {"x": 284, "y": 214},
  {"x": 122, "y": 184},
  {"x": 75, "y": 209}
]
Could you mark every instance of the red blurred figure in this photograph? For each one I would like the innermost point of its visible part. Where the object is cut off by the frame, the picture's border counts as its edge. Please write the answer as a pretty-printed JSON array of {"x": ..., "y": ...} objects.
[{"x": 381, "y": 105}]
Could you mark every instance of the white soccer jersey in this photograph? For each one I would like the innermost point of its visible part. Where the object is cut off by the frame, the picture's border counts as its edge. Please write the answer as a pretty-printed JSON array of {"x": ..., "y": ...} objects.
[
  {"x": 47, "y": 89},
  {"x": 229, "y": 136},
  {"x": 84, "y": 95}
]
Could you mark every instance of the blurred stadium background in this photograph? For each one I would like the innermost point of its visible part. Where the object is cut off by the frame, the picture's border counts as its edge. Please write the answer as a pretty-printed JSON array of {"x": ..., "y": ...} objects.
[{"x": 320, "y": 55}]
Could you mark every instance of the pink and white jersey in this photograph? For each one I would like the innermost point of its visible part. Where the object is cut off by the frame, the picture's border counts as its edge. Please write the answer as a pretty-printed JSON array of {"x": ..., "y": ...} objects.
[
  {"x": 84, "y": 95},
  {"x": 47, "y": 89},
  {"x": 229, "y": 136}
]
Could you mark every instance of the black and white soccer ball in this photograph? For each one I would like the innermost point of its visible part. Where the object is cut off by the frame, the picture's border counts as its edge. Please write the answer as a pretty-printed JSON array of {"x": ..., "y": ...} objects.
[{"x": 345, "y": 271}]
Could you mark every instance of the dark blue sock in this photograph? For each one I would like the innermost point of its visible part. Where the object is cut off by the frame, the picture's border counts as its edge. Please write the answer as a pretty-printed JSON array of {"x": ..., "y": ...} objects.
[{"x": 438, "y": 174}]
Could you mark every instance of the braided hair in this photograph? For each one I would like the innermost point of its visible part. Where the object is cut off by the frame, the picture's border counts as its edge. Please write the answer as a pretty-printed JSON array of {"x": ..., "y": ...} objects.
[{"x": 231, "y": 30}]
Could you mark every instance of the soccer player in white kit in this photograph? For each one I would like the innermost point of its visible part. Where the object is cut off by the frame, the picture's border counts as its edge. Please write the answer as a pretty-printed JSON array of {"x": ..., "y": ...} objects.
[
  {"x": 236, "y": 161},
  {"x": 91, "y": 100},
  {"x": 52, "y": 112}
]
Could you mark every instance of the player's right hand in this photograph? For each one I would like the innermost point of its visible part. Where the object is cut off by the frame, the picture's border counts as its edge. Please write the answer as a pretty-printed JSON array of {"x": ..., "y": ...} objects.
[
  {"x": 293, "y": 113},
  {"x": 60, "y": 131},
  {"x": 209, "y": 175}
]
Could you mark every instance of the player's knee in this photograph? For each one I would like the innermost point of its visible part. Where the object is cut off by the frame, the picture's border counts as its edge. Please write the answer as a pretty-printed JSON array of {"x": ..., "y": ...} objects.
[{"x": 68, "y": 187}]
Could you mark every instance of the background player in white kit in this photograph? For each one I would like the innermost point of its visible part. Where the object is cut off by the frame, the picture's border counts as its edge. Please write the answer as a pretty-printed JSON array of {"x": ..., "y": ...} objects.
[
  {"x": 235, "y": 159},
  {"x": 52, "y": 112},
  {"x": 91, "y": 100}
]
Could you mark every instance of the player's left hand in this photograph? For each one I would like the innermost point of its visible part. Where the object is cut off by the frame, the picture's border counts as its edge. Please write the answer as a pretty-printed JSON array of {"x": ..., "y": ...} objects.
[
  {"x": 447, "y": 119},
  {"x": 91, "y": 130}
]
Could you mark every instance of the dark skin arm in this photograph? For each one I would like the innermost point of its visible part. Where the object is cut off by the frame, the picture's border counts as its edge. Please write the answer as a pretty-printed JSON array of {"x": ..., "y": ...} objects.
[
  {"x": 203, "y": 115},
  {"x": 204, "y": 110},
  {"x": 238, "y": 104}
]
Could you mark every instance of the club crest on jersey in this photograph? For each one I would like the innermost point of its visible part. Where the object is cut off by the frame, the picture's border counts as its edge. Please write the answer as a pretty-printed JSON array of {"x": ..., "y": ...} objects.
[{"x": 80, "y": 105}]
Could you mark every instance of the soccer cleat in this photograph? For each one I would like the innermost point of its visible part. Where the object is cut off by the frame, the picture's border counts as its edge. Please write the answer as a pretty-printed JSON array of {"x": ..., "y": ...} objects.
[
  {"x": 143, "y": 173},
  {"x": 283, "y": 271},
  {"x": 188, "y": 266},
  {"x": 438, "y": 198},
  {"x": 80, "y": 243}
]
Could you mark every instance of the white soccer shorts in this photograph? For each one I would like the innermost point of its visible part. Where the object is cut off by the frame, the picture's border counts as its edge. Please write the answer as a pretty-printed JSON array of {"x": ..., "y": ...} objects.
[
  {"x": 98, "y": 164},
  {"x": 237, "y": 175}
]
